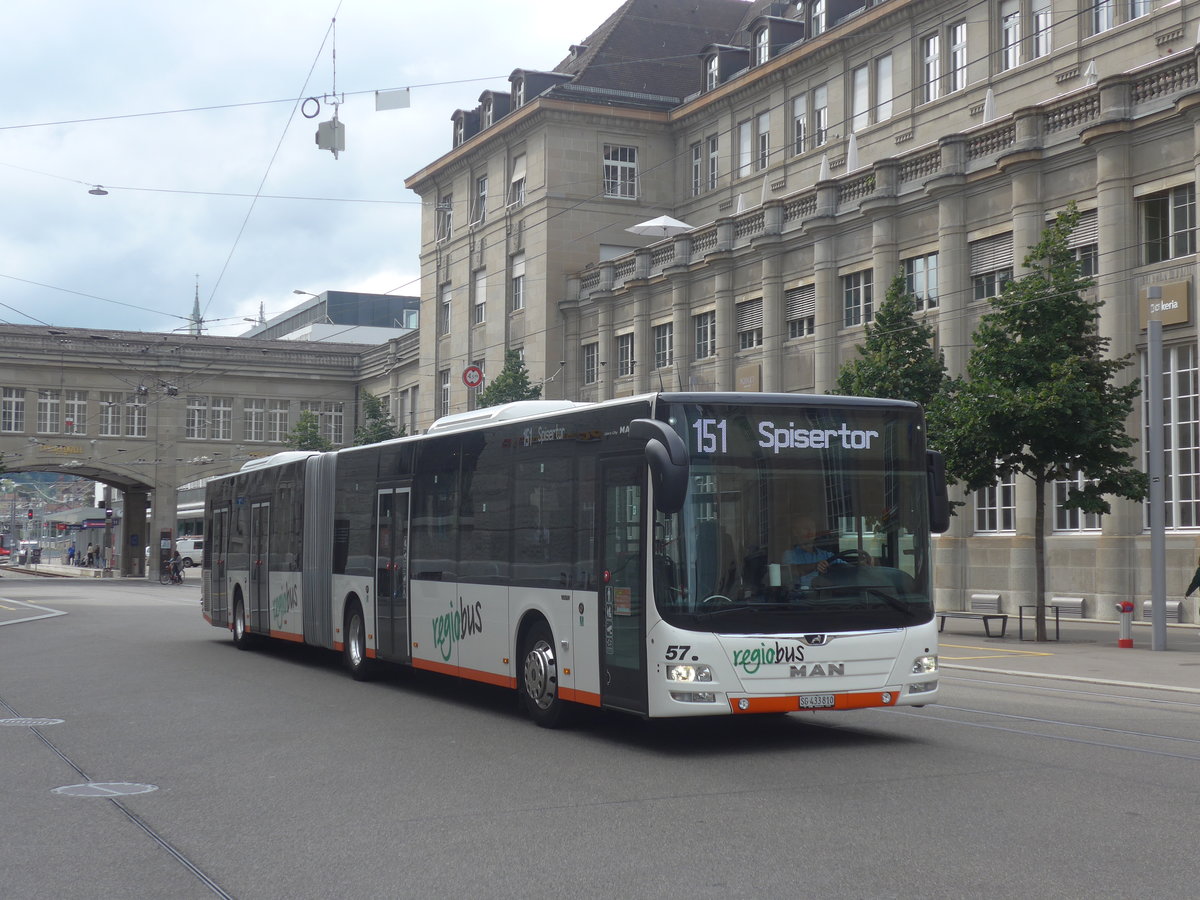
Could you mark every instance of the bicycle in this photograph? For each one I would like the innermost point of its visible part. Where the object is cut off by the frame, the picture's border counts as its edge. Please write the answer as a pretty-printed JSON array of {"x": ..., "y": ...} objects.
[{"x": 170, "y": 575}]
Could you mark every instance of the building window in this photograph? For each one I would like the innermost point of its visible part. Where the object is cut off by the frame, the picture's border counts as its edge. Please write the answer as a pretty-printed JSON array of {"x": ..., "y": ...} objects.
[
  {"x": 817, "y": 17},
  {"x": 591, "y": 363},
  {"x": 1168, "y": 223},
  {"x": 857, "y": 299},
  {"x": 799, "y": 124},
  {"x": 921, "y": 279},
  {"x": 277, "y": 421},
  {"x": 254, "y": 420},
  {"x": 1103, "y": 15},
  {"x": 445, "y": 298},
  {"x": 1043, "y": 38},
  {"x": 625, "y": 360},
  {"x": 820, "y": 122},
  {"x": 620, "y": 172},
  {"x": 48, "y": 406},
  {"x": 329, "y": 417},
  {"x": 749, "y": 317},
  {"x": 445, "y": 217},
  {"x": 664, "y": 345},
  {"x": 135, "y": 414},
  {"x": 996, "y": 507},
  {"x": 516, "y": 184},
  {"x": 958, "y": 56},
  {"x": 222, "y": 419},
  {"x": 481, "y": 188},
  {"x": 931, "y": 81},
  {"x": 196, "y": 426},
  {"x": 518, "y": 282},
  {"x": 697, "y": 169},
  {"x": 460, "y": 130},
  {"x": 485, "y": 117},
  {"x": 762, "y": 46},
  {"x": 480, "y": 314},
  {"x": 110, "y": 414},
  {"x": 883, "y": 88},
  {"x": 12, "y": 410},
  {"x": 713, "y": 148},
  {"x": 1072, "y": 519},
  {"x": 860, "y": 103},
  {"x": 800, "y": 309},
  {"x": 518, "y": 94},
  {"x": 712, "y": 72},
  {"x": 1181, "y": 435},
  {"x": 1010, "y": 34},
  {"x": 76, "y": 418},
  {"x": 745, "y": 149},
  {"x": 763, "y": 141},
  {"x": 991, "y": 261},
  {"x": 1138, "y": 8},
  {"x": 706, "y": 334}
]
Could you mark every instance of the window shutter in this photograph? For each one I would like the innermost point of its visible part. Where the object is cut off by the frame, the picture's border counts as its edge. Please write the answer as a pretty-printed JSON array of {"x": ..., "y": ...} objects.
[
  {"x": 1087, "y": 230},
  {"x": 749, "y": 315},
  {"x": 992, "y": 254},
  {"x": 800, "y": 302}
]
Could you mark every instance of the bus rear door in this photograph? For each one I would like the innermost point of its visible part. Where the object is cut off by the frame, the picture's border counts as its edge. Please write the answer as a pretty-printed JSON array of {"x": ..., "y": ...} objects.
[
  {"x": 391, "y": 575},
  {"x": 622, "y": 600},
  {"x": 259, "y": 601}
]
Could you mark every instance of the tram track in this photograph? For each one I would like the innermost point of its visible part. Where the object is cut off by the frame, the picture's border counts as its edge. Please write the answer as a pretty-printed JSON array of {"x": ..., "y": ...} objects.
[{"x": 149, "y": 830}]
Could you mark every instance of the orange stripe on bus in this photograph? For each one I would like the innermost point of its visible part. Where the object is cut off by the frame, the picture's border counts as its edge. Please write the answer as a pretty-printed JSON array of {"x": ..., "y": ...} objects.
[
  {"x": 587, "y": 698},
  {"x": 463, "y": 672},
  {"x": 286, "y": 636}
]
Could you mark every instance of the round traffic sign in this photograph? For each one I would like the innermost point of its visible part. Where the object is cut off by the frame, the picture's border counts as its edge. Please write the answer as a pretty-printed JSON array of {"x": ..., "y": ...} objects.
[{"x": 472, "y": 376}]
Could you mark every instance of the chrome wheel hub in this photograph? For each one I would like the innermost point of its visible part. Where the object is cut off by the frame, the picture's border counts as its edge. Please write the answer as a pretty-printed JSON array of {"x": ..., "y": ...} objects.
[{"x": 541, "y": 675}]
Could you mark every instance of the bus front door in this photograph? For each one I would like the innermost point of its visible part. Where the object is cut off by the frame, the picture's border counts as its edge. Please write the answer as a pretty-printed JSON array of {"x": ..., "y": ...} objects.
[
  {"x": 622, "y": 601},
  {"x": 260, "y": 601},
  {"x": 391, "y": 575},
  {"x": 218, "y": 582}
]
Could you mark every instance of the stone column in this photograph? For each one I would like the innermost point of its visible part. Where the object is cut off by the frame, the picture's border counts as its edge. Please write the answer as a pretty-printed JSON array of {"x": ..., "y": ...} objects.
[
  {"x": 774, "y": 326},
  {"x": 135, "y": 533},
  {"x": 823, "y": 229},
  {"x": 684, "y": 343}
]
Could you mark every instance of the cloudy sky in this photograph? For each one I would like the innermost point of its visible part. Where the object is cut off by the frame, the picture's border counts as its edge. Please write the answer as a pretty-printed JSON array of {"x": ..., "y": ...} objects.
[{"x": 188, "y": 114}]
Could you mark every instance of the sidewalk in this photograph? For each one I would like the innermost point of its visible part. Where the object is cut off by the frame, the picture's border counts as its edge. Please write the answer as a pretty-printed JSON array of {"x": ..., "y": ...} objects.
[
  {"x": 1087, "y": 652},
  {"x": 62, "y": 570}
]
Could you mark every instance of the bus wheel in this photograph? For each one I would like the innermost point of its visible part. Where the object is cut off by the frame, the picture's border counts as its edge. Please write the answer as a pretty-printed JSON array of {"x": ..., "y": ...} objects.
[
  {"x": 356, "y": 645},
  {"x": 537, "y": 680},
  {"x": 241, "y": 639}
]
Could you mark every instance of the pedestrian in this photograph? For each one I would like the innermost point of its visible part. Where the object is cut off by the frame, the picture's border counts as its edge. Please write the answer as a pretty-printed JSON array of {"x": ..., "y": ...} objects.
[
  {"x": 71, "y": 555},
  {"x": 91, "y": 556},
  {"x": 1195, "y": 581}
]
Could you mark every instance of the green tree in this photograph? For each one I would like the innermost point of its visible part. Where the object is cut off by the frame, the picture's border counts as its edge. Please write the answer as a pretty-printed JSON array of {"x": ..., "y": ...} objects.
[
  {"x": 1039, "y": 398},
  {"x": 897, "y": 359},
  {"x": 307, "y": 434},
  {"x": 511, "y": 384},
  {"x": 377, "y": 423}
]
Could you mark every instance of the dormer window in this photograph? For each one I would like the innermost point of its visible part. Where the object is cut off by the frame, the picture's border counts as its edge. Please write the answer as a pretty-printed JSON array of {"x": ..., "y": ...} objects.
[
  {"x": 518, "y": 93},
  {"x": 712, "y": 72},
  {"x": 460, "y": 130},
  {"x": 487, "y": 113},
  {"x": 762, "y": 45},
  {"x": 817, "y": 17}
]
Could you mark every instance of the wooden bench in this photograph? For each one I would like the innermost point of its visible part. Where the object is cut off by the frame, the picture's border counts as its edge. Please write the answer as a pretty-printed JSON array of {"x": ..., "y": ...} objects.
[{"x": 987, "y": 619}]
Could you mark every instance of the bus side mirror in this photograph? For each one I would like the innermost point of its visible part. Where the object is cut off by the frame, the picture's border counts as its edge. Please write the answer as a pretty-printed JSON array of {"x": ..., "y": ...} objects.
[
  {"x": 939, "y": 497},
  {"x": 668, "y": 460}
]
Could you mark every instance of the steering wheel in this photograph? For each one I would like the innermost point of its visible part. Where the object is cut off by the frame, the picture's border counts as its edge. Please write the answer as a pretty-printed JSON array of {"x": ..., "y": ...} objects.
[{"x": 854, "y": 557}]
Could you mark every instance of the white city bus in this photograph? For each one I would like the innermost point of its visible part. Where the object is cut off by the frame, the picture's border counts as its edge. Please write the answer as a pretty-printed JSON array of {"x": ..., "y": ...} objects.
[{"x": 635, "y": 554}]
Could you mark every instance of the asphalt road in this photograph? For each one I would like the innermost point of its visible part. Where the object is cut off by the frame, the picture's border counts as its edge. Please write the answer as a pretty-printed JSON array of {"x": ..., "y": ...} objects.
[{"x": 276, "y": 775}]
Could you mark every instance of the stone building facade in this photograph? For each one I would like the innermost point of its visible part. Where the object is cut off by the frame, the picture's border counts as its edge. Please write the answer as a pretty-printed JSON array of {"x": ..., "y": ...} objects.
[{"x": 818, "y": 149}]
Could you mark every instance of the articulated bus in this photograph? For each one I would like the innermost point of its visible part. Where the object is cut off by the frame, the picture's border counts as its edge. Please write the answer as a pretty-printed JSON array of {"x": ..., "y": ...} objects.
[{"x": 671, "y": 554}]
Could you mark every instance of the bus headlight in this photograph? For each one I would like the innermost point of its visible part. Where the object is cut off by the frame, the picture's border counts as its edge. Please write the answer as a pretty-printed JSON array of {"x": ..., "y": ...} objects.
[
  {"x": 923, "y": 665},
  {"x": 689, "y": 673}
]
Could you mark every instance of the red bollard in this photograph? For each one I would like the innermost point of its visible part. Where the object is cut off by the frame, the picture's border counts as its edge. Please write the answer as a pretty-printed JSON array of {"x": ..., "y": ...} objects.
[{"x": 1125, "y": 609}]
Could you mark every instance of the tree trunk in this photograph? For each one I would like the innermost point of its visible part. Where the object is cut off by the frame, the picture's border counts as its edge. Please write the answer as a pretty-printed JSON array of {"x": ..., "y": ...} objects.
[{"x": 1039, "y": 555}]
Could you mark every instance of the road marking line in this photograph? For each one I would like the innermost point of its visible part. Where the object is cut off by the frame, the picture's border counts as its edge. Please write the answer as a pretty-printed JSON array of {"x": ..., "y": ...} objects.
[
  {"x": 992, "y": 652},
  {"x": 48, "y": 613}
]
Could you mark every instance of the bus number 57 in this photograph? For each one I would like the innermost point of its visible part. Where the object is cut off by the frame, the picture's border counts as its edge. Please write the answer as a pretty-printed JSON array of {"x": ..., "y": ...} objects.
[
  {"x": 710, "y": 435},
  {"x": 678, "y": 651}
]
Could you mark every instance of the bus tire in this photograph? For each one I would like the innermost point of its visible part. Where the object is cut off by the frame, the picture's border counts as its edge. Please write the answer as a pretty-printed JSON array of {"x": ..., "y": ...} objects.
[
  {"x": 537, "y": 678},
  {"x": 354, "y": 649},
  {"x": 241, "y": 638}
]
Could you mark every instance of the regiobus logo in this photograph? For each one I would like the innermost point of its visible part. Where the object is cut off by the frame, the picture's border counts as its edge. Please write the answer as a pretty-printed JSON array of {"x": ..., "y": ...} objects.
[{"x": 793, "y": 438}]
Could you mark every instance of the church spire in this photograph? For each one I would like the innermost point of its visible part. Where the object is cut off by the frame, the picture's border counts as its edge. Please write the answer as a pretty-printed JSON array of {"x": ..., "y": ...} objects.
[{"x": 196, "y": 321}]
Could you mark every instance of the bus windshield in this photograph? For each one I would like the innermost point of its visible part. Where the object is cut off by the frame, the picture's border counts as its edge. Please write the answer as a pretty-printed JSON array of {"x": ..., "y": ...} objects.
[{"x": 797, "y": 521}]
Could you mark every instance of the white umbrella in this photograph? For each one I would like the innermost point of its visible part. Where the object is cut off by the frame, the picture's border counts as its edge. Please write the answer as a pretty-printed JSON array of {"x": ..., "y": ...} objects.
[{"x": 662, "y": 226}]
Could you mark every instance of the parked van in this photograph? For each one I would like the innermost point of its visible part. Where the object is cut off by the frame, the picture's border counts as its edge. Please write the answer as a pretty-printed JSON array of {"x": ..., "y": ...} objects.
[{"x": 192, "y": 551}]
